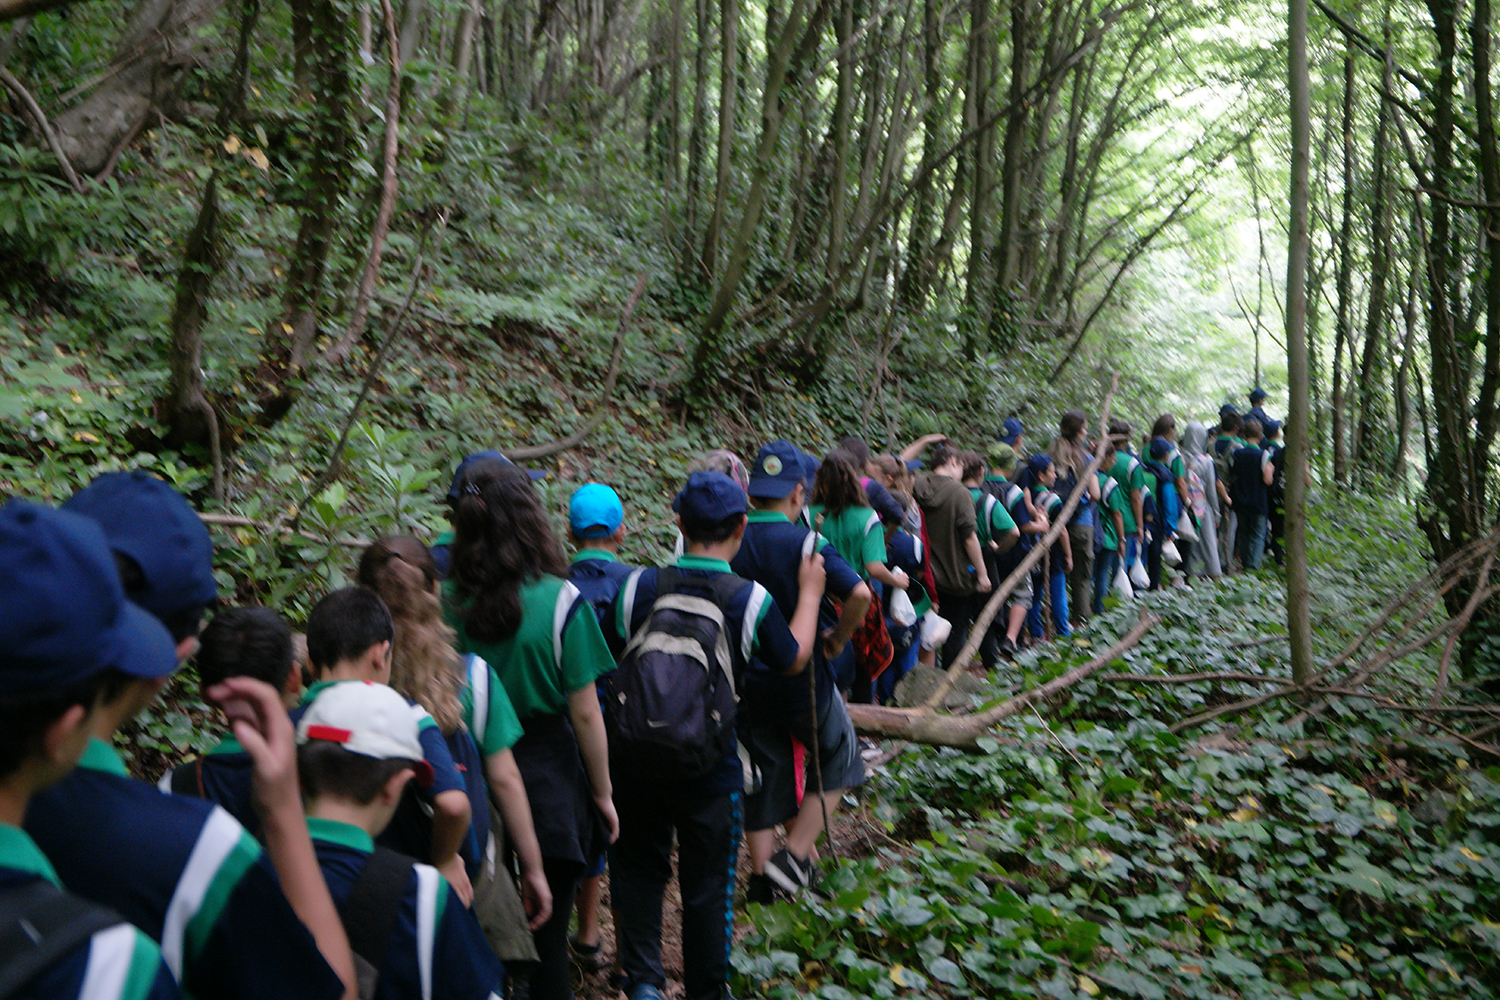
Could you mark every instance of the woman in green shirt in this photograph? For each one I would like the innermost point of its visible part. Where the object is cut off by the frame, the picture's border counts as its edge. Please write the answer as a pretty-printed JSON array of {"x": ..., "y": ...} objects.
[{"x": 509, "y": 601}]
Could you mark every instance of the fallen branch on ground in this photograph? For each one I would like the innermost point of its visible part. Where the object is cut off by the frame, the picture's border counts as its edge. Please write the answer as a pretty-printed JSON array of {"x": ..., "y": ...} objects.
[{"x": 929, "y": 726}]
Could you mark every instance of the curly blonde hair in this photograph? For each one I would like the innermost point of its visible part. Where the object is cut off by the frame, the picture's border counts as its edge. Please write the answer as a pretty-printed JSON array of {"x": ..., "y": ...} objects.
[{"x": 424, "y": 664}]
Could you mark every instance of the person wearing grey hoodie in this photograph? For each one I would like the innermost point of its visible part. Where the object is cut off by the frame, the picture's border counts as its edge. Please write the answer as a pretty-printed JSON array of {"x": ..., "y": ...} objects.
[{"x": 1202, "y": 557}]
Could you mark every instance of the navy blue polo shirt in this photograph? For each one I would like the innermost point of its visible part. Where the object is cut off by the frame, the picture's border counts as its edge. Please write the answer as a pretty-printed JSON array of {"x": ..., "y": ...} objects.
[
  {"x": 187, "y": 873},
  {"x": 436, "y": 948},
  {"x": 115, "y": 963},
  {"x": 223, "y": 776},
  {"x": 771, "y": 555},
  {"x": 760, "y": 642},
  {"x": 1249, "y": 491},
  {"x": 598, "y": 575}
]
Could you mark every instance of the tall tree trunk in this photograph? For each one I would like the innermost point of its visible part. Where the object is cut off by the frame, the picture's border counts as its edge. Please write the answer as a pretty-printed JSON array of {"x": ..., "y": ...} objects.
[
  {"x": 324, "y": 180},
  {"x": 729, "y": 23},
  {"x": 1008, "y": 240},
  {"x": 689, "y": 266},
  {"x": 1343, "y": 324},
  {"x": 1370, "y": 380},
  {"x": 1299, "y": 614}
]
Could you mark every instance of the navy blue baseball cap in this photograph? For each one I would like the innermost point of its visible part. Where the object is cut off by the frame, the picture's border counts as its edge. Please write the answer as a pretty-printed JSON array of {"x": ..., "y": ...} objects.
[
  {"x": 1272, "y": 428},
  {"x": 810, "y": 465},
  {"x": 1039, "y": 463},
  {"x": 1011, "y": 431},
  {"x": 1227, "y": 409},
  {"x": 1257, "y": 394},
  {"x": 779, "y": 468},
  {"x": 145, "y": 519},
  {"x": 710, "y": 497},
  {"x": 479, "y": 456},
  {"x": 1160, "y": 447},
  {"x": 63, "y": 614}
]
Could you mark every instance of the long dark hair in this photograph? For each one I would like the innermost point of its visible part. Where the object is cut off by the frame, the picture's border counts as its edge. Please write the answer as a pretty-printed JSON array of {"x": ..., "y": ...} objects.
[
  {"x": 1165, "y": 427},
  {"x": 1069, "y": 447},
  {"x": 501, "y": 539},
  {"x": 837, "y": 486}
]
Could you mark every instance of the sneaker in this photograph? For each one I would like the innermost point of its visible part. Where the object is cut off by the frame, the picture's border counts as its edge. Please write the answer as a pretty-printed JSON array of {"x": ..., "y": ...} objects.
[
  {"x": 760, "y": 889},
  {"x": 868, "y": 750},
  {"x": 1008, "y": 647},
  {"x": 789, "y": 873}
]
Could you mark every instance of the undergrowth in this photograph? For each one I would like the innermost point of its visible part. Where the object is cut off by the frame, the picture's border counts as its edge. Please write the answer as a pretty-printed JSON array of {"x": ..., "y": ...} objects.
[{"x": 1094, "y": 853}]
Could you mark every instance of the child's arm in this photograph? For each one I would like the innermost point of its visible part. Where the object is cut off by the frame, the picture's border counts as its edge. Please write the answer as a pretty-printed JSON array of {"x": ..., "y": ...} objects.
[
  {"x": 890, "y": 577},
  {"x": 261, "y": 725},
  {"x": 916, "y": 448},
  {"x": 588, "y": 727},
  {"x": 976, "y": 559},
  {"x": 515, "y": 808},
  {"x": 451, "y": 814},
  {"x": 811, "y": 579}
]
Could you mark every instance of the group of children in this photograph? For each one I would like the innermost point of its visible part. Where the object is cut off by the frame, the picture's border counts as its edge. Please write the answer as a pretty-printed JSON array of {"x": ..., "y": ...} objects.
[{"x": 410, "y": 802}]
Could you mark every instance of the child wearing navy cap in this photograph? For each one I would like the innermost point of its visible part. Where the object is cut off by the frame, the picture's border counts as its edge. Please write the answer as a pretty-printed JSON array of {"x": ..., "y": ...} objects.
[
  {"x": 792, "y": 746},
  {"x": 357, "y": 748},
  {"x": 67, "y": 635},
  {"x": 704, "y": 811},
  {"x": 232, "y": 920}
]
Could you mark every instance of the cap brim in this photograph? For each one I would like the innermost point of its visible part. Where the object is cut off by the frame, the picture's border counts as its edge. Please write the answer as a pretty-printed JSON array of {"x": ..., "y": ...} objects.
[
  {"x": 143, "y": 646},
  {"x": 913, "y": 464},
  {"x": 536, "y": 474},
  {"x": 770, "y": 489}
]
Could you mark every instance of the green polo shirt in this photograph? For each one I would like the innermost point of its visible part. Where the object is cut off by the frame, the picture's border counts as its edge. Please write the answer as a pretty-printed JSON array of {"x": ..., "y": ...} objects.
[
  {"x": 553, "y": 652},
  {"x": 856, "y": 533},
  {"x": 1130, "y": 480}
]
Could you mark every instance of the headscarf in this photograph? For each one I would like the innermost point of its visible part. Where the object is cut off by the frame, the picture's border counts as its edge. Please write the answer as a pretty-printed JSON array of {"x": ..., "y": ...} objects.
[{"x": 1194, "y": 439}]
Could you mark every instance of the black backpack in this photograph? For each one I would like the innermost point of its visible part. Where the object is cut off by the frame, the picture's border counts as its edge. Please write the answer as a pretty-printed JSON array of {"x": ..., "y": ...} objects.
[
  {"x": 370, "y": 911},
  {"x": 671, "y": 703},
  {"x": 39, "y": 924}
]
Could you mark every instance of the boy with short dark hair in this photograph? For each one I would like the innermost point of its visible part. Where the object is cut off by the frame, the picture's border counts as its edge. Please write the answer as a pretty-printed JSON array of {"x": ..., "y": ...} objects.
[
  {"x": 239, "y": 642},
  {"x": 704, "y": 811},
  {"x": 358, "y": 746},
  {"x": 66, "y": 633},
  {"x": 181, "y": 869},
  {"x": 349, "y": 635}
]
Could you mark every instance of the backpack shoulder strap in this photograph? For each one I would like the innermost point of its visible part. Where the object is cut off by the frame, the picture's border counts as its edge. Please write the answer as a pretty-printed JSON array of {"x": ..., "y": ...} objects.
[
  {"x": 187, "y": 778},
  {"x": 627, "y": 598},
  {"x": 568, "y": 597},
  {"x": 479, "y": 687},
  {"x": 39, "y": 924},
  {"x": 370, "y": 911}
]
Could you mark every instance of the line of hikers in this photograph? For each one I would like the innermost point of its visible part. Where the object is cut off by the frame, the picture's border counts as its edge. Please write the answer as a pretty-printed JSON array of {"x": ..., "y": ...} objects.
[{"x": 412, "y": 800}]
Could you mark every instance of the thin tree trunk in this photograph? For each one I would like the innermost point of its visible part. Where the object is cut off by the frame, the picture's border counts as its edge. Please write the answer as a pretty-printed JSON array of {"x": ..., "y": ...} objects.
[
  {"x": 1343, "y": 324},
  {"x": 1299, "y": 615},
  {"x": 729, "y": 21}
]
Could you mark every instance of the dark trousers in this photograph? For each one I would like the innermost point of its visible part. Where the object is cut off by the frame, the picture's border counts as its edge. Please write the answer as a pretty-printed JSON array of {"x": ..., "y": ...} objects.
[
  {"x": 1081, "y": 579},
  {"x": 708, "y": 844},
  {"x": 958, "y": 609},
  {"x": 551, "y": 976}
]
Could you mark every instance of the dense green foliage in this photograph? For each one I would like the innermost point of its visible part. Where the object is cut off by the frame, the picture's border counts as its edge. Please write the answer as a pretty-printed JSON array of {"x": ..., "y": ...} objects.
[{"x": 1094, "y": 853}]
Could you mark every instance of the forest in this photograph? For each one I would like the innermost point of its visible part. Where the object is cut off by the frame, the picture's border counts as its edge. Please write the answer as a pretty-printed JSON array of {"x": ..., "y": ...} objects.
[{"x": 300, "y": 260}]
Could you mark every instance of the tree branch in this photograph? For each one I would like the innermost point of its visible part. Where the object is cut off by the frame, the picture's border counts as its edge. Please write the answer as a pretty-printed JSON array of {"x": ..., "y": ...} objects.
[{"x": 40, "y": 120}]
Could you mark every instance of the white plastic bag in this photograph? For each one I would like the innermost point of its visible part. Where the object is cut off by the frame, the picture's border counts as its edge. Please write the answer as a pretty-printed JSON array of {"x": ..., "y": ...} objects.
[
  {"x": 902, "y": 612},
  {"x": 935, "y": 630},
  {"x": 1139, "y": 576},
  {"x": 1169, "y": 553},
  {"x": 1122, "y": 583},
  {"x": 1185, "y": 529}
]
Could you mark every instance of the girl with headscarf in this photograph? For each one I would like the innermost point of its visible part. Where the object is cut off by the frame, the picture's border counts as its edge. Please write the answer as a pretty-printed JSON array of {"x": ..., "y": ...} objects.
[{"x": 1202, "y": 556}]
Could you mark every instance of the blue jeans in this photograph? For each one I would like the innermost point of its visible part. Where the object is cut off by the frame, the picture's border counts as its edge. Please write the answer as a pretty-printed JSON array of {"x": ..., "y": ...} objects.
[
  {"x": 1250, "y": 543},
  {"x": 1106, "y": 565},
  {"x": 1057, "y": 591}
]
